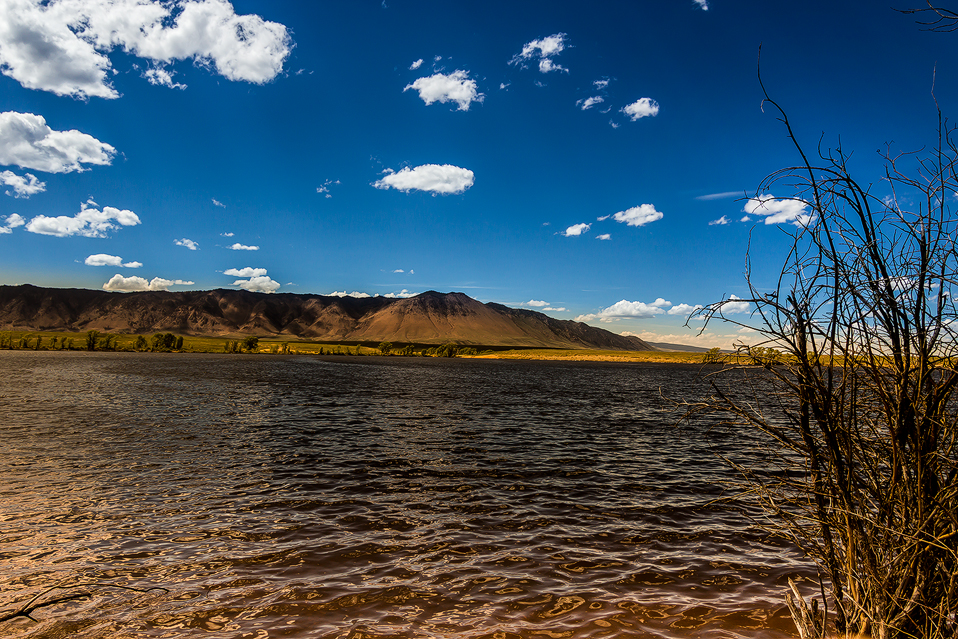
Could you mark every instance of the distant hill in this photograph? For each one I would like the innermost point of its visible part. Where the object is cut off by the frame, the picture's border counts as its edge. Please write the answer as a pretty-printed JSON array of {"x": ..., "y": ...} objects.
[{"x": 428, "y": 318}]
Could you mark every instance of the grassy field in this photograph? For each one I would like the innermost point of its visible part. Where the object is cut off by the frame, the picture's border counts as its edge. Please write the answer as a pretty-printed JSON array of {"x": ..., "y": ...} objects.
[{"x": 54, "y": 340}]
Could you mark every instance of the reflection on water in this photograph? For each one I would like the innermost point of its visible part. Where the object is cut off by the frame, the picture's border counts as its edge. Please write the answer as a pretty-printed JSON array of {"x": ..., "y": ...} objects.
[{"x": 368, "y": 497}]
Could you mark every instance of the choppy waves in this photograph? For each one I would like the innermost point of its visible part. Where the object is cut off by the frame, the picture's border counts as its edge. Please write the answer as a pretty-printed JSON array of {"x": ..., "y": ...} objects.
[{"x": 299, "y": 497}]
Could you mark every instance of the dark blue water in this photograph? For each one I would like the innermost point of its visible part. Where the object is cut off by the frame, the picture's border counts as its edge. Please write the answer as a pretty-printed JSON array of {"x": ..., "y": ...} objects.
[{"x": 372, "y": 497}]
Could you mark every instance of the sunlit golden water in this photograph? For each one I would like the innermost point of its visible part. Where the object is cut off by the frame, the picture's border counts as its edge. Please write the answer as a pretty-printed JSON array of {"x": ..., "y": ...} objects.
[{"x": 301, "y": 497}]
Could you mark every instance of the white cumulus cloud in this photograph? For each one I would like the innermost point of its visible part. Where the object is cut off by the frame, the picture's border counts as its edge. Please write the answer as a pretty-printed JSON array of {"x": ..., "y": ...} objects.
[
  {"x": 442, "y": 179},
  {"x": 401, "y": 294},
  {"x": 638, "y": 215},
  {"x": 26, "y": 141},
  {"x": 89, "y": 222},
  {"x": 190, "y": 244},
  {"x": 704, "y": 4},
  {"x": 11, "y": 222},
  {"x": 683, "y": 309},
  {"x": 255, "y": 280},
  {"x": 544, "y": 50},
  {"x": 23, "y": 185},
  {"x": 247, "y": 271},
  {"x": 537, "y": 303},
  {"x": 102, "y": 259},
  {"x": 576, "y": 229},
  {"x": 259, "y": 284},
  {"x": 735, "y": 306},
  {"x": 788, "y": 210},
  {"x": 134, "y": 283},
  {"x": 415, "y": 65},
  {"x": 625, "y": 309},
  {"x": 243, "y": 247},
  {"x": 345, "y": 294},
  {"x": 455, "y": 87},
  {"x": 63, "y": 46},
  {"x": 722, "y": 221},
  {"x": 641, "y": 108},
  {"x": 604, "y": 236}
]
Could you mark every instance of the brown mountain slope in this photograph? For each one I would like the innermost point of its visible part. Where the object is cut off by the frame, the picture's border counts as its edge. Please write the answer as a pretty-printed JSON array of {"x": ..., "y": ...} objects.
[{"x": 428, "y": 318}]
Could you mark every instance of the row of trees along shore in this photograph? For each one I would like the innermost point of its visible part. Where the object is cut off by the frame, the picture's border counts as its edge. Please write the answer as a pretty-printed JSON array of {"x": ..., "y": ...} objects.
[
  {"x": 855, "y": 399},
  {"x": 90, "y": 341},
  {"x": 168, "y": 342}
]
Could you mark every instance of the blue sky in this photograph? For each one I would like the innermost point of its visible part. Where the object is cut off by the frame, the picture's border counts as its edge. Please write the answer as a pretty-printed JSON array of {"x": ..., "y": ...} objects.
[{"x": 557, "y": 156}]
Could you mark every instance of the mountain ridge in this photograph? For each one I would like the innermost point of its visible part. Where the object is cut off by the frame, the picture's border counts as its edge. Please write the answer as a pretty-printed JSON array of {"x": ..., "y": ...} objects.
[{"x": 428, "y": 318}]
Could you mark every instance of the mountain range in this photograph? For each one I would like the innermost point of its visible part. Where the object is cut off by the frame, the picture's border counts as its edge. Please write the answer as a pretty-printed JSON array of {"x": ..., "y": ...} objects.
[{"x": 427, "y": 318}]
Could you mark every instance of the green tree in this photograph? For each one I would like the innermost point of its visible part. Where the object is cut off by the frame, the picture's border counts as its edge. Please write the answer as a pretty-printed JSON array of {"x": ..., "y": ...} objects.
[
  {"x": 140, "y": 344},
  {"x": 91, "y": 339},
  {"x": 385, "y": 348},
  {"x": 250, "y": 344},
  {"x": 179, "y": 343},
  {"x": 712, "y": 356}
]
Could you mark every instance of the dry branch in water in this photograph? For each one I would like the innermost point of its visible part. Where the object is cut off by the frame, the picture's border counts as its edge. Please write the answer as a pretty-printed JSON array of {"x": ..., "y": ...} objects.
[{"x": 27, "y": 609}]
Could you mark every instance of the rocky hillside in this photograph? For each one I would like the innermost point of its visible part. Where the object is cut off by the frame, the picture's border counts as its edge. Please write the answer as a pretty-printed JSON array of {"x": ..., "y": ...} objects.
[{"x": 428, "y": 318}]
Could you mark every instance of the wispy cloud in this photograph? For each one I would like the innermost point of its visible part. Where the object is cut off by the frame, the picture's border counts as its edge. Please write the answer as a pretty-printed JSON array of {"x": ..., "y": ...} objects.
[
  {"x": 543, "y": 50},
  {"x": 722, "y": 221},
  {"x": 704, "y": 4},
  {"x": 161, "y": 77},
  {"x": 604, "y": 236},
  {"x": 190, "y": 244},
  {"x": 415, "y": 65},
  {"x": 444, "y": 179},
  {"x": 325, "y": 187},
  {"x": 588, "y": 103},
  {"x": 218, "y": 203},
  {"x": 719, "y": 196}
]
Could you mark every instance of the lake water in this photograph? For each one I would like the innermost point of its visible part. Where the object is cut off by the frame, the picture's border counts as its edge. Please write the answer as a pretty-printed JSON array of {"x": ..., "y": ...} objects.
[{"x": 283, "y": 496}]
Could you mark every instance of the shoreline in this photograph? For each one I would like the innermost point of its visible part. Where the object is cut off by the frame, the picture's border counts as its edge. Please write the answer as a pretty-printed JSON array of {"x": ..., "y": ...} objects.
[{"x": 267, "y": 345}]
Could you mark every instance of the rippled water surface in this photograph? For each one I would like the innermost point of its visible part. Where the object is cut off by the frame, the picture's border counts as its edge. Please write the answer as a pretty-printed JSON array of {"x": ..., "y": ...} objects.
[{"x": 371, "y": 497}]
